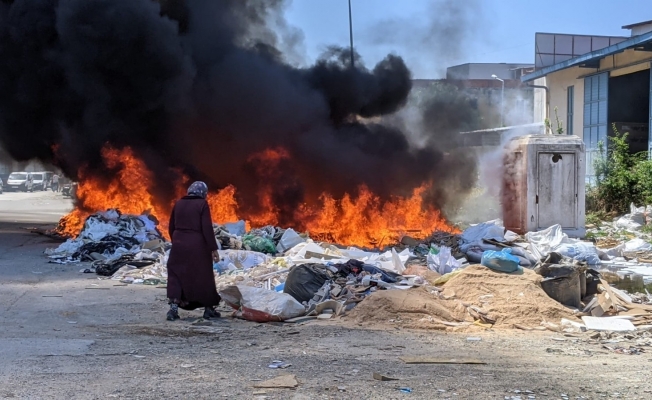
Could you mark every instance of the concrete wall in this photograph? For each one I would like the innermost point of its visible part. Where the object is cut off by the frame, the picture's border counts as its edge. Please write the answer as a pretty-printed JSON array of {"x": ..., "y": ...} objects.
[{"x": 558, "y": 84}]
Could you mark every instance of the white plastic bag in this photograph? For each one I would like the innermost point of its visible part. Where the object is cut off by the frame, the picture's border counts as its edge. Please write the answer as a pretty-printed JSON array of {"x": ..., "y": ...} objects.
[
  {"x": 236, "y": 228},
  {"x": 493, "y": 230},
  {"x": 637, "y": 245},
  {"x": 545, "y": 241},
  {"x": 261, "y": 305},
  {"x": 243, "y": 259},
  {"x": 579, "y": 251},
  {"x": 632, "y": 221},
  {"x": 397, "y": 263},
  {"x": 444, "y": 262},
  {"x": 289, "y": 239}
]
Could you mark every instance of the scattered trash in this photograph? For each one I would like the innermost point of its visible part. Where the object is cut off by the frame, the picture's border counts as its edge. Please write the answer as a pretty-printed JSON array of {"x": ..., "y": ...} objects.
[
  {"x": 380, "y": 377},
  {"x": 473, "y": 339},
  {"x": 405, "y": 390},
  {"x": 280, "y": 382},
  {"x": 277, "y": 364},
  {"x": 615, "y": 324}
]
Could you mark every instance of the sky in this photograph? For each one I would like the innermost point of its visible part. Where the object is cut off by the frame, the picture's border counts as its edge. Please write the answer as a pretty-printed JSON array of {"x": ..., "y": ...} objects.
[{"x": 434, "y": 34}]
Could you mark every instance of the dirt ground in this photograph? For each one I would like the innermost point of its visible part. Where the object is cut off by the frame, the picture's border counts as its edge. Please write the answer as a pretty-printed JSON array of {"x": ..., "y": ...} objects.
[{"x": 68, "y": 335}]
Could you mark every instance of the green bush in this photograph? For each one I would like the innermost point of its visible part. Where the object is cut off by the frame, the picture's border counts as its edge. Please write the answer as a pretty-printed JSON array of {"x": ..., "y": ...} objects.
[
  {"x": 643, "y": 178},
  {"x": 621, "y": 178}
]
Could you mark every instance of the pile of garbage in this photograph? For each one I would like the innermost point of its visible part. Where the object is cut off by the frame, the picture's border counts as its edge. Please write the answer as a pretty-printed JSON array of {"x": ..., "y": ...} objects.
[
  {"x": 107, "y": 236},
  {"x": 274, "y": 274},
  {"x": 624, "y": 244},
  {"x": 268, "y": 240}
]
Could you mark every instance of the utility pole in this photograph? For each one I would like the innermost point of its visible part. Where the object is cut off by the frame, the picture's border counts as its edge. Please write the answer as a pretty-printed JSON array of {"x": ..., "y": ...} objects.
[{"x": 351, "y": 33}]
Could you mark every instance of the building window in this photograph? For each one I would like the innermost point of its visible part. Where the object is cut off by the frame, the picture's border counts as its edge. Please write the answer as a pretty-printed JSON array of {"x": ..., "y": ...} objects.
[{"x": 570, "y": 104}]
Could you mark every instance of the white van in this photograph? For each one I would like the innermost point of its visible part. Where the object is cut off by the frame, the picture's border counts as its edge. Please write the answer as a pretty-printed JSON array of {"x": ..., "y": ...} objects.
[
  {"x": 20, "y": 181},
  {"x": 38, "y": 179}
]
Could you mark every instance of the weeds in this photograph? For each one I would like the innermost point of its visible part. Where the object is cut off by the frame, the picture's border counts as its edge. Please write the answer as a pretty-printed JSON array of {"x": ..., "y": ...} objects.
[
  {"x": 560, "y": 125},
  {"x": 621, "y": 177}
]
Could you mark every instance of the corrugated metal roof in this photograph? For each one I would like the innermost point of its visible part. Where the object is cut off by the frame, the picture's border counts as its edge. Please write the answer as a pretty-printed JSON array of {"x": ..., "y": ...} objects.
[{"x": 592, "y": 57}]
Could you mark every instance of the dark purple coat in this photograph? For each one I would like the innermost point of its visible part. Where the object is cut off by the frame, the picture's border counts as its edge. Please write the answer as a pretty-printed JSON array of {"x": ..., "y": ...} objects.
[{"x": 191, "y": 280}]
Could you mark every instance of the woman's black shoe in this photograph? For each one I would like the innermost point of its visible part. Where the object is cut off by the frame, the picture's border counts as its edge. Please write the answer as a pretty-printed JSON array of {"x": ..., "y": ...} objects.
[
  {"x": 172, "y": 315},
  {"x": 211, "y": 313}
]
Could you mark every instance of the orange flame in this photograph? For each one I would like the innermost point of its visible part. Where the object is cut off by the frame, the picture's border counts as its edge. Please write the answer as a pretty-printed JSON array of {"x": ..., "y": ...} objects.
[{"x": 361, "y": 220}]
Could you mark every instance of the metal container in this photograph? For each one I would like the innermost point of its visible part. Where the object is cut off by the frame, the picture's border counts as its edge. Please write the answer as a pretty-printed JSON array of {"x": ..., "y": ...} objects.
[{"x": 544, "y": 184}]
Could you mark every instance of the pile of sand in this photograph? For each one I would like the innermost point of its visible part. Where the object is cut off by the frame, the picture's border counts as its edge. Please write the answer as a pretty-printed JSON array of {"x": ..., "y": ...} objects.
[
  {"x": 511, "y": 300},
  {"x": 411, "y": 308}
]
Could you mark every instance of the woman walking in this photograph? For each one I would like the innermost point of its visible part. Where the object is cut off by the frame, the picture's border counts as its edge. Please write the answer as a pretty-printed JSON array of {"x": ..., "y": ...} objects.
[{"x": 191, "y": 281}]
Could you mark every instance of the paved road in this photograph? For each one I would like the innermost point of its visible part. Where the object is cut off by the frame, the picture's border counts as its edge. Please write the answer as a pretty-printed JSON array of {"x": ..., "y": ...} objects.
[{"x": 37, "y": 207}]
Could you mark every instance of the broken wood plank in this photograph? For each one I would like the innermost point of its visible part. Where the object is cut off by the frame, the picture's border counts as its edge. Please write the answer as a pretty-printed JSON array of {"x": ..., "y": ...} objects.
[{"x": 438, "y": 360}]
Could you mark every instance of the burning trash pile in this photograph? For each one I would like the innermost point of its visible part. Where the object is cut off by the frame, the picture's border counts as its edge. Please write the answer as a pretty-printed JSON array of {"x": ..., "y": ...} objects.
[
  {"x": 113, "y": 241},
  {"x": 542, "y": 280}
]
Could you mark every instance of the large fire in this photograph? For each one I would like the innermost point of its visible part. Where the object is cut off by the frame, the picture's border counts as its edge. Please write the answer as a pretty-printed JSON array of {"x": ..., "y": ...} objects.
[{"x": 360, "y": 220}]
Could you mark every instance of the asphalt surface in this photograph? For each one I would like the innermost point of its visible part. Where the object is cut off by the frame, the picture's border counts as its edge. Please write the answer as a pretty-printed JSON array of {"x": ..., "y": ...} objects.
[{"x": 41, "y": 207}]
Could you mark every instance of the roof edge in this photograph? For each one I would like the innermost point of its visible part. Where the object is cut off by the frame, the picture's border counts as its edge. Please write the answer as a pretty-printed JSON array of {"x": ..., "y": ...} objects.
[
  {"x": 630, "y": 26},
  {"x": 624, "y": 45}
]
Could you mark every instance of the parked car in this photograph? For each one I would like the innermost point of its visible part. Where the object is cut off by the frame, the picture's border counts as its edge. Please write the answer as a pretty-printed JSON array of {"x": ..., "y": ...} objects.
[
  {"x": 39, "y": 181},
  {"x": 20, "y": 181}
]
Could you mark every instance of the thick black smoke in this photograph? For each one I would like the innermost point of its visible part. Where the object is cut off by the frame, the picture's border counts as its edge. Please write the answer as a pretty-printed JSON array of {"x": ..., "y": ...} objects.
[{"x": 202, "y": 86}]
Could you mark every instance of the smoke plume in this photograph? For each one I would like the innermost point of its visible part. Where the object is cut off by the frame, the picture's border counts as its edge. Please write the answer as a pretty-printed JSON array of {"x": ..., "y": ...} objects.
[
  {"x": 205, "y": 87},
  {"x": 433, "y": 40}
]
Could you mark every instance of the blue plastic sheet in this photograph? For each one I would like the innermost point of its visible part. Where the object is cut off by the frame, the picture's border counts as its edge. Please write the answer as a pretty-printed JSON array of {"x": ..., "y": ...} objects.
[{"x": 502, "y": 261}]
